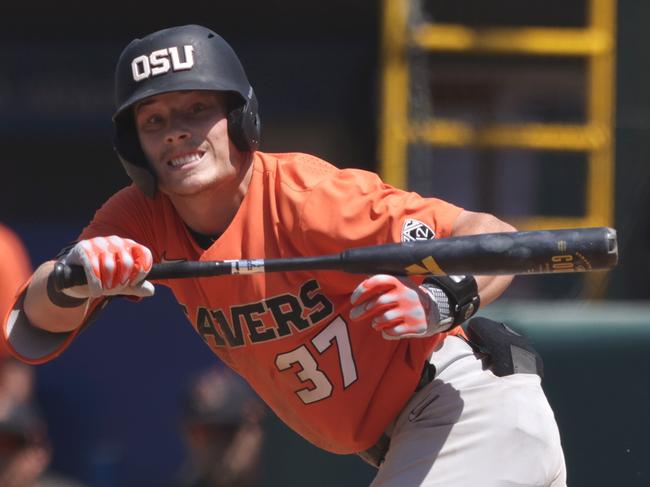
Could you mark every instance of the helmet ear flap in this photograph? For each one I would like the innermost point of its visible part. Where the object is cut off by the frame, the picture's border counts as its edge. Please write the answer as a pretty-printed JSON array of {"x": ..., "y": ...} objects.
[
  {"x": 244, "y": 125},
  {"x": 143, "y": 177},
  {"x": 128, "y": 149}
]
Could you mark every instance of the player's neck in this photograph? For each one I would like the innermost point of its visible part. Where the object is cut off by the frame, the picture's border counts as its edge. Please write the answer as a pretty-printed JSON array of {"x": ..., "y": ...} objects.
[{"x": 210, "y": 212}]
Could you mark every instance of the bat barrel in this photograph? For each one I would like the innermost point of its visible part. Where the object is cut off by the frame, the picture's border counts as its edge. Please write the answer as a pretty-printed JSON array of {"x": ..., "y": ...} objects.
[{"x": 536, "y": 252}]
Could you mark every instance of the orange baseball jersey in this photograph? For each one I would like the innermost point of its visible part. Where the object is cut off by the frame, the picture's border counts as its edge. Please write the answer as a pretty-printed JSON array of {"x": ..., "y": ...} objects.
[
  {"x": 336, "y": 382},
  {"x": 15, "y": 269}
]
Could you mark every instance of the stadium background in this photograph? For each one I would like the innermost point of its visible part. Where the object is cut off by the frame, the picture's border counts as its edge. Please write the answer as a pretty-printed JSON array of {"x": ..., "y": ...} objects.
[{"x": 318, "y": 67}]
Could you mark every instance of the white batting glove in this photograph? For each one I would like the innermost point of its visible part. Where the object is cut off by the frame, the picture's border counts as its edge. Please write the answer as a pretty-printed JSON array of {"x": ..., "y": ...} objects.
[
  {"x": 399, "y": 308},
  {"x": 113, "y": 266}
]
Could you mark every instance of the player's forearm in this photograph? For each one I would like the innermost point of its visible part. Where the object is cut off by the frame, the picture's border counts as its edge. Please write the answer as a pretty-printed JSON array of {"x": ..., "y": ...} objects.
[
  {"x": 471, "y": 223},
  {"x": 44, "y": 314},
  {"x": 491, "y": 287}
]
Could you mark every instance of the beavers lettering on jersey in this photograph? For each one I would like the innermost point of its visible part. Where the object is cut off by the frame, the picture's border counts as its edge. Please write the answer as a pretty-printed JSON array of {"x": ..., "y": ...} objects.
[{"x": 261, "y": 321}]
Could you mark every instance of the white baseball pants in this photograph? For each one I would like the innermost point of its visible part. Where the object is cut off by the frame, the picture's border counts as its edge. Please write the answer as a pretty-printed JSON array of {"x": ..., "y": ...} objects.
[{"x": 469, "y": 428}]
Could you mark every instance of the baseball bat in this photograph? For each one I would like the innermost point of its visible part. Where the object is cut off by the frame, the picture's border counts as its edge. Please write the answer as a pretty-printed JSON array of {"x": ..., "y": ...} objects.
[{"x": 536, "y": 252}]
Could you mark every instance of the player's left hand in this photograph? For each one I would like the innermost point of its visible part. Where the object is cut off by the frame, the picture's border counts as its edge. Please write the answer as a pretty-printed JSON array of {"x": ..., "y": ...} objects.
[
  {"x": 399, "y": 308},
  {"x": 113, "y": 266}
]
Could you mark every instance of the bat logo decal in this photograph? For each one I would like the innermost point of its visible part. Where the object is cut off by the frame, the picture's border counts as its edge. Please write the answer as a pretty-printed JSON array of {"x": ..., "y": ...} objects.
[{"x": 429, "y": 266}]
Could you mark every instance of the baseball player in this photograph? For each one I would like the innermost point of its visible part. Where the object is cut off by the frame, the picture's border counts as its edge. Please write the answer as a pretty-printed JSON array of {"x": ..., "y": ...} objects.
[
  {"x": 15, "y": 268},
  {"x": 372, "y": 365}
]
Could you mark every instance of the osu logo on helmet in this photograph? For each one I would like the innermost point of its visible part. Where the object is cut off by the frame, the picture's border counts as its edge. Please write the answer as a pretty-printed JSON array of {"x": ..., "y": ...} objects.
[{"x": 158, "y": 62}]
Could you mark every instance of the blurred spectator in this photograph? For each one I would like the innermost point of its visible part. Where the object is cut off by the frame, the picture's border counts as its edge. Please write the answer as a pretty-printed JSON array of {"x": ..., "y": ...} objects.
[
  {"x": 16, "y": 387},
  {"x": 25, "y": 451},
  {"x": 222, "y": 431},
  {"x": 15, "y": 268}
]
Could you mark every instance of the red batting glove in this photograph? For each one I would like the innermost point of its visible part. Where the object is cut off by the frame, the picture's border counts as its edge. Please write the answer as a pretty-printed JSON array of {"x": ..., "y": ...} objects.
[
  {"x": 399, "y": 308},
  {"x": 113, "y": 265}
]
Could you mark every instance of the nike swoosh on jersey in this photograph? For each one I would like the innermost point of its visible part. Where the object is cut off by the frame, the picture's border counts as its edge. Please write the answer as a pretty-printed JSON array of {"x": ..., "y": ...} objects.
[{"x": 165, "y": 260}]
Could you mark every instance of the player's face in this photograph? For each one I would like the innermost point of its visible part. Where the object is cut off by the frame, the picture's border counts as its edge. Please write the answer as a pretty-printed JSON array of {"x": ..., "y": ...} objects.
[{"x": 184, "y": 135}]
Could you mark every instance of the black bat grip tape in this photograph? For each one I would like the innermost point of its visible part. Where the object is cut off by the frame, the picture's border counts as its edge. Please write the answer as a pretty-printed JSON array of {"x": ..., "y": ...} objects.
[{"x": 66, "y": 276}]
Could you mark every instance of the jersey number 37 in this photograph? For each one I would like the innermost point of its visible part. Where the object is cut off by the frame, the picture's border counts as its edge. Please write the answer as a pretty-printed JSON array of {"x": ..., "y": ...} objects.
[{"x": 308, "y": 371}]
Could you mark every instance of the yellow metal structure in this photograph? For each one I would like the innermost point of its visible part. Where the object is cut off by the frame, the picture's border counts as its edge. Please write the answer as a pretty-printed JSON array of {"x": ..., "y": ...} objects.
[{"x": 595, "y": 42}]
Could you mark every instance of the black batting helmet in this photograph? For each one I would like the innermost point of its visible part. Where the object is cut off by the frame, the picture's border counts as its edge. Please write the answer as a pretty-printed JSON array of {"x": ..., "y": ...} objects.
[{"x": 183, "y": 58}]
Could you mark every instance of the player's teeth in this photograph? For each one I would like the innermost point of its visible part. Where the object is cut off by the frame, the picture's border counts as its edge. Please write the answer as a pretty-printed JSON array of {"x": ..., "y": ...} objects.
[{"x": 179, "y": 161}]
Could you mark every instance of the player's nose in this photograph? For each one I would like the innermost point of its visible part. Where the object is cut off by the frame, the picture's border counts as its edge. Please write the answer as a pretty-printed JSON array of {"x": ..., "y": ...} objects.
[
  {"x": 176, "y": 136},
  {"x": 177, "y": 131}
]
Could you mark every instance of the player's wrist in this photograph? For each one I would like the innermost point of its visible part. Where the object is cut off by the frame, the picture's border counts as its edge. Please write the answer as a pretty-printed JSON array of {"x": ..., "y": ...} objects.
[
  {"x": 436, "y": 308},
  {"x": 456, "y": 299}
]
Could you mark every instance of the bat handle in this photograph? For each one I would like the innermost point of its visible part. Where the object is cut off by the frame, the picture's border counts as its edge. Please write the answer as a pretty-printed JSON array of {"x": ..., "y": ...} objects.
[{"x": 66, "y": 276}]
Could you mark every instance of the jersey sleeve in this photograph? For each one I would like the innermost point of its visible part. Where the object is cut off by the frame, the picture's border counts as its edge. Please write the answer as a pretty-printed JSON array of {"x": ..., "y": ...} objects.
[
  {"x": 126, "y": 214},
  {"x": 354, "y": 208}
]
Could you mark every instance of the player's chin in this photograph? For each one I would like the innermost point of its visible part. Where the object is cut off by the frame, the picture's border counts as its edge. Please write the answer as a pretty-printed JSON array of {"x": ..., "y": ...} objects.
[{"x": 188, "y": 186}]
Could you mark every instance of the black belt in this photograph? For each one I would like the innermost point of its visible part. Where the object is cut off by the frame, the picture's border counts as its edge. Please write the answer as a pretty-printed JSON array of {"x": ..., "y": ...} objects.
[
  {"x": 428, "y": 374},
  {"x": 376, "y": 453}
]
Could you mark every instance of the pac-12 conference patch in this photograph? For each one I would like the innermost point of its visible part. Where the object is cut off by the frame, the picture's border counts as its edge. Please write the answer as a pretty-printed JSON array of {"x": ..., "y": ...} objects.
[{"x": 414, "y": 230}]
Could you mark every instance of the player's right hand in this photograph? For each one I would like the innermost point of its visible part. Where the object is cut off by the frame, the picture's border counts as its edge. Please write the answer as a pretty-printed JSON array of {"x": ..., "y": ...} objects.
[
  {"x": 113, "y": 266},
  {"x": 397, "y": 307}
]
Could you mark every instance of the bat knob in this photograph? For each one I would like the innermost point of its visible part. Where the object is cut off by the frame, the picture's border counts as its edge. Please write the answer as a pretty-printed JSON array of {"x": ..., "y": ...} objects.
[{"x": 61, "y": 275}]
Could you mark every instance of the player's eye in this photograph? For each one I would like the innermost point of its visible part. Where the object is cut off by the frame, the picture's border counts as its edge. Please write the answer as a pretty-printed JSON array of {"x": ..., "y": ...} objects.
[
  {"x": 198, "y": 108},
  {"x": 150, "y": 121},
  {"x": 153, "y": 120}
]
